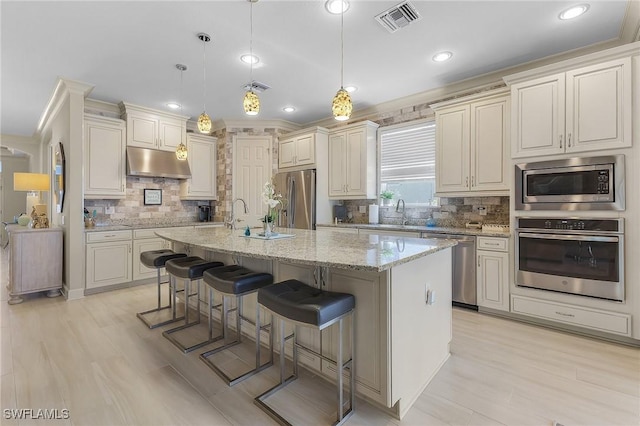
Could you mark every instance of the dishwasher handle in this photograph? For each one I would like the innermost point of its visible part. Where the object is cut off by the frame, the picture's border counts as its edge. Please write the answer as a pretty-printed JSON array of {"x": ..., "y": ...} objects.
[{"x": 462, "y": 238}]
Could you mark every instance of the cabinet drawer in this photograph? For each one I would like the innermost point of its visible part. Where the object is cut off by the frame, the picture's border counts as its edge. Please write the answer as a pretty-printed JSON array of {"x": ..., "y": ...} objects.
[
  {"x": 139, "y": 234},
  {"x": 99, "y": 237},
  {"x": 495, "y": 244},
  {"x": 610, "y": 322}
]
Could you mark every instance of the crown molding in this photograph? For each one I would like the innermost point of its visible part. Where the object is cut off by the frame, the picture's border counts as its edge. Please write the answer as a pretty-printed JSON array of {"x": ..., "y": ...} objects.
[
  {"x": 284, "y": 125},
  {"x": 62, "y": 89}
]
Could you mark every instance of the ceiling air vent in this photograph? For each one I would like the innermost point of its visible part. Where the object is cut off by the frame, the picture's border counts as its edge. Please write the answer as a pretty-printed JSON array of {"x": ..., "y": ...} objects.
[
  {"x": 256, "y": 86},
  {"x": 398, "y": 16}
]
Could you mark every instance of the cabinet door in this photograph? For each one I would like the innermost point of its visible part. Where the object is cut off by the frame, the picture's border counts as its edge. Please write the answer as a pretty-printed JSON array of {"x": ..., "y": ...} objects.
[
  {"x": 337, "y": 165},
  {"x": 489, "y": 145},
  {"x": 142, "y": 131},
  {"x": 171, "y": 134},
  {"x": 369, "y": 322},
  {"x": 493, "y": 280},
  {"x": 286, "y": 153},
  {"x": 538, "y": 117},
  {"x": 202, "y": 161},
  {"x": 599, "y": 106},
  {"x": 104, "y": 151},
  {"x": 356, "y": 162},
  {"x": 305, "y": 151},
  {"x": 108, "y": 263},
  {"x": 139, "y": 246},
  {"x": 452, "y": 149}
]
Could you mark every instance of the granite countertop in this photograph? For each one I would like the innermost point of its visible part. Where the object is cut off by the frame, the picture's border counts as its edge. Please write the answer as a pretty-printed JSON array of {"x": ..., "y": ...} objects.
[
  {"x": 124, "y": 227},
  {"x": 331, "y": 249},
  {"x": 418, "y": 228}
]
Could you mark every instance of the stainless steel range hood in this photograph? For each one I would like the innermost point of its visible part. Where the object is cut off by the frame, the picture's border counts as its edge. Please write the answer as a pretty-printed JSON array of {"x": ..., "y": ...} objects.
[{"x": 155, "y": 163}]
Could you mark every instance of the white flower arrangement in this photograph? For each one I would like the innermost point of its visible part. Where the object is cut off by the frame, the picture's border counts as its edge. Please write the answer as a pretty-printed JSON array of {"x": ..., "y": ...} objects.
[{"x": 272, "y": 200}]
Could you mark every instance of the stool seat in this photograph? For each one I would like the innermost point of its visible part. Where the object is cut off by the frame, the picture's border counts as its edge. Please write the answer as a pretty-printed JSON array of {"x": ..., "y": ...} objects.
[
  {"x": 190, "y": 267},
  {"x": 297, "y": 301},
  {"x": 236, "y": 279},
  {"x": 157, "y": 258}
]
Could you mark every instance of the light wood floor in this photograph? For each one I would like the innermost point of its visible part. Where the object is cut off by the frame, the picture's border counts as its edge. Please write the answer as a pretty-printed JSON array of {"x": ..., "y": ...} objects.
[{"x": 96, "y": 359}]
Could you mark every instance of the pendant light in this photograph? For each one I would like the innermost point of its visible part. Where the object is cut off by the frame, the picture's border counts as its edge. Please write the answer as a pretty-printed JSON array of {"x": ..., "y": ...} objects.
[
  {"x": 204, "y": 122},
  {"x": 341, "y": 105},
  {"x": 251, "y": 101},
  {"x": 181, "y": 149}
]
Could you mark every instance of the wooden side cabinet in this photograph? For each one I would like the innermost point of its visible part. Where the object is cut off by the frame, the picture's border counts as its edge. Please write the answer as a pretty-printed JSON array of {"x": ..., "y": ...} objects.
[{"x": 35, "y": 261}]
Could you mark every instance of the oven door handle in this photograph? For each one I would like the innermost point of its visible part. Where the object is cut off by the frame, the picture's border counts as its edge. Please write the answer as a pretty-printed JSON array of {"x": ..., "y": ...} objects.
[{"x": 570, "y": 237}]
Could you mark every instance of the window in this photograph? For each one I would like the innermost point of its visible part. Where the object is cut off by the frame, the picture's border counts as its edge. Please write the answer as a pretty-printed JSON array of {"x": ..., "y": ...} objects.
[{"x": 408, "y": 162}]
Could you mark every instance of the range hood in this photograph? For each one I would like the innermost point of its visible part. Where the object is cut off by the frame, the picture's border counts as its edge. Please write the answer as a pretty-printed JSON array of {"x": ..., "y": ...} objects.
[{"x": 155, "y": 163}]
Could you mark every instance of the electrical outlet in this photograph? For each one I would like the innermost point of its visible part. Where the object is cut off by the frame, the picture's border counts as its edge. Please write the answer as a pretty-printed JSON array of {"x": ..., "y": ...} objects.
[
  {"x": 109, "y": 210},
  {"x": 362, "y": 209},
  {"x": 482, "y": 210}
]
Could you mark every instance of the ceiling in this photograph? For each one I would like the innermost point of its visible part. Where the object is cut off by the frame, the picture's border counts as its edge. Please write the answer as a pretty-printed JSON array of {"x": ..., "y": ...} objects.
[{"x": 129, "y": 50}]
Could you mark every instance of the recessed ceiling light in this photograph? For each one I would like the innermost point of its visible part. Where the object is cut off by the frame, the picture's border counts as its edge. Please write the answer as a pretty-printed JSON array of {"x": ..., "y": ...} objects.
[
  {"x": 336, "y": 6},
  {"x": 350, "y": 89},
  {"x": 442, "y": 56},
  {"x": 573, "y": 12},
  {"x": 288, "y": 109},
  {"x": 249, "y": 59},
  {"x": 173, "y": 105}
]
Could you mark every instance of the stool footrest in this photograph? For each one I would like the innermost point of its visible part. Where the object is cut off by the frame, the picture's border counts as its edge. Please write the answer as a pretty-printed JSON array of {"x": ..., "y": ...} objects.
[
  {"x": 151, "y": 325},
  {"x": 231, "y": 380}
]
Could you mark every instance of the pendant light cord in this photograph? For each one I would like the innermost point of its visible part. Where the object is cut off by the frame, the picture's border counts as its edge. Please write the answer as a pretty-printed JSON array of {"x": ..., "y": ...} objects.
[
  {"x": 204, "y": 73},
  {"x": 181, "y": 72},
  {"x": 342, "y": 46},
  {"x": 251, "y": 46}
]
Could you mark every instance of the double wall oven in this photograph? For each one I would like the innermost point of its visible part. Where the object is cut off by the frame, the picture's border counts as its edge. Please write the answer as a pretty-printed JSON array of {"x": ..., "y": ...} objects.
[{"x": 566, "y": 253}]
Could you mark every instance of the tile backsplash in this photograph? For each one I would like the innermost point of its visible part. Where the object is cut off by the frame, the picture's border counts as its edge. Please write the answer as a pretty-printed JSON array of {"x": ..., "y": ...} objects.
[{"x": 452, "y": 212}]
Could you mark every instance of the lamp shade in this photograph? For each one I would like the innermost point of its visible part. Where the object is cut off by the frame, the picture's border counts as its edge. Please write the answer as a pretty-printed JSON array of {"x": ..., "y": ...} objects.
[{"x": 31, "y": 182}]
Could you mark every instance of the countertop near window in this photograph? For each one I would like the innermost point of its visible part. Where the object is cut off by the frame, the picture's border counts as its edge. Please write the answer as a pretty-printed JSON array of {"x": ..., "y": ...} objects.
[
  {"x": 417, "y": 228},
  {"x": 123, "y": 227}
]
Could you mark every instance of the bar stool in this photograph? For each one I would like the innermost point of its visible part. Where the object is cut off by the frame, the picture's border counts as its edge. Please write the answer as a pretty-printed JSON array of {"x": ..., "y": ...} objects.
[
  {"x": 190, "y": 269},
  {"x": 236, "y": 281},
  {"x": 156, "y": 259},
  {"x": 308, "y": 306}
]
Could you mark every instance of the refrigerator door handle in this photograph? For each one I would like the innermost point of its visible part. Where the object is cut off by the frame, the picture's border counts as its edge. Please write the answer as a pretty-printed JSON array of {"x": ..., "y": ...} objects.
[{"x": 292, "y": 204}]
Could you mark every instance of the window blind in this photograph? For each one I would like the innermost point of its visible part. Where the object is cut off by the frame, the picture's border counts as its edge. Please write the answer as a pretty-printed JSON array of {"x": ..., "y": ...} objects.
[{"x": 408, "y": 153}]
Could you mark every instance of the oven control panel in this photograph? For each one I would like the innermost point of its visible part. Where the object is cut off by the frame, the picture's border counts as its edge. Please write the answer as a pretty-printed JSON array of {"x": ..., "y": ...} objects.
[{"x": 571, "y": 224}]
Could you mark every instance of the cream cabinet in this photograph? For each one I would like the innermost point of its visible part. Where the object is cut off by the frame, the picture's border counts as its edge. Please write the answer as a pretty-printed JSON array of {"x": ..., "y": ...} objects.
[
  {"x": 148, "y": 128},
  {"x": 297, "y": 151},
  {"x": 108, "y": 258},
  {"x": 202, "y": 154},
  {"x": 104, "y": 157},
  {"x": 584, "y": 109},
  {"x": 472, "y": 145},
  {"x": 34, "y": 260},
  {"x": 492, "y": 279},
  {"x": 146, "y": 240},
  {"x": 352, "y": 162}
]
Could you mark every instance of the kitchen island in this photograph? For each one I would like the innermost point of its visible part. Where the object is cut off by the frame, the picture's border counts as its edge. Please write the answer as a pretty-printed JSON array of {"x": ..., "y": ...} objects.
[{"x": 402, "y": 288}]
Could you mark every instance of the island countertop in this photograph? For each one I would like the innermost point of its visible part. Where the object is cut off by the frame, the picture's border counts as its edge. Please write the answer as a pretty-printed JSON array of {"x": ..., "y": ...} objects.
[{"x": 331, "y": 249}]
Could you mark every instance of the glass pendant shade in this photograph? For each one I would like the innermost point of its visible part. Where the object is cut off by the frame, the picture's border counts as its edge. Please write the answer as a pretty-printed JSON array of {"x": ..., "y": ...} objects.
[
  {"x": 251, "y": 103},
  {"x": 204, "y": 123},
  {"x": 181, "y": 151},
  {"x": 342, "y": 106}
]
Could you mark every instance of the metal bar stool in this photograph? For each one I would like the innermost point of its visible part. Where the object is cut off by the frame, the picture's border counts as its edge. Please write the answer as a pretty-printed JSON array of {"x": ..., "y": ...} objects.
[
  {"x": 190, "y": 269},
  {"x": 156, "y": 259},
  {"x": 307, "y": 306},
  {"x": 237, "y": 281}
]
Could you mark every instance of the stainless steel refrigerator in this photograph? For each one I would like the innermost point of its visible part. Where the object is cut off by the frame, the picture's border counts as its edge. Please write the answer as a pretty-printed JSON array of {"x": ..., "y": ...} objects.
[{"x": 299, "y": 191}]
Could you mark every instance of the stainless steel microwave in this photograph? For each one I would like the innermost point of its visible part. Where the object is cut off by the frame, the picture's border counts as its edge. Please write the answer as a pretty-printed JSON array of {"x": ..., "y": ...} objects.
[{"x": 585, "y": 183}]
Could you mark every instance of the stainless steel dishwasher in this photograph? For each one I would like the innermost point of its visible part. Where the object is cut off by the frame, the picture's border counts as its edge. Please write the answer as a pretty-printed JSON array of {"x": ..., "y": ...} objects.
[{"x": 464, "y": 292}]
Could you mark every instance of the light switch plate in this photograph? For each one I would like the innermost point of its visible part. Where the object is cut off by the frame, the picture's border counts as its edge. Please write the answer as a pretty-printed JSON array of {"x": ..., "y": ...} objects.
[{"x": 362, "y": 209}]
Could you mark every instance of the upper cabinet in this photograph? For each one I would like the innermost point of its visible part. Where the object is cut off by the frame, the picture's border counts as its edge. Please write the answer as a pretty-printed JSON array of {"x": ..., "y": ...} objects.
[
  {"x": 104, "y": 157},
  {"x": 585, "y": 109},
  {"x": 352, "y": 162},
  {"x": 472, "y": 145},
  {"x": 202, "y": 162},
  {"x": 148, "y": 128},
  {"x": 299, "y": 151}
]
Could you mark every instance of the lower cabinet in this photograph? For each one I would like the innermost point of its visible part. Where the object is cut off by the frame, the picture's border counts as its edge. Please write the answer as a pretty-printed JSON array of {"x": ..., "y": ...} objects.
[
  {"x": 492, "y": 278},
  {"x": 108, "y": 258}
]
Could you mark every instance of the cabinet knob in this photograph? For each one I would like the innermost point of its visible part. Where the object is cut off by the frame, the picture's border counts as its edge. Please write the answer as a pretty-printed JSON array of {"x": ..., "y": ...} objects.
[
  {"x": 569, "y": 140},
  {"x": 466, "y": 181},
  {"x": 478, "y": 261},
  {"x": 560, "y": 141}
]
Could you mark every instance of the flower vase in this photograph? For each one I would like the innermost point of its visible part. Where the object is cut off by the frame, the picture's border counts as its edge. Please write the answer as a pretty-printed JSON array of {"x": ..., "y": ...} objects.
[{"x": 268, "y": 229}]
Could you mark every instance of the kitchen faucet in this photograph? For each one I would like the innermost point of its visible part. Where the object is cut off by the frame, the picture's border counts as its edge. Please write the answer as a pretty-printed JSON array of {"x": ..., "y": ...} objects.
[
  {"x": 404, "y": 215},
  {"x": 231, "y": 223}
]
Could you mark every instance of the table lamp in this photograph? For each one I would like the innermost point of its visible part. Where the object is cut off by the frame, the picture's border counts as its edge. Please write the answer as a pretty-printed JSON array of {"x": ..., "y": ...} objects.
[{"x": 33, "y": 183}]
